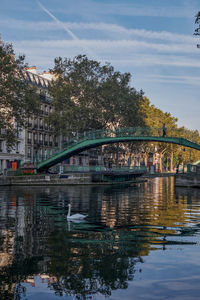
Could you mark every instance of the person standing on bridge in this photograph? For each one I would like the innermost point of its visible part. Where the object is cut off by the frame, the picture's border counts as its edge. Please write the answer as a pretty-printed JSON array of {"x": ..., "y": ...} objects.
[{"x": 164, "y": 130}]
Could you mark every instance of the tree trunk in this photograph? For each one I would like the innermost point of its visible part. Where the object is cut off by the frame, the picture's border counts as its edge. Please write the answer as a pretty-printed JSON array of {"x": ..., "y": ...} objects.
[
  {"x": 161, "y": 163},
  {"x": 145, "y": 159},
  {"x": 117, "y": 156},
  {"x": 171, "y": 163}
]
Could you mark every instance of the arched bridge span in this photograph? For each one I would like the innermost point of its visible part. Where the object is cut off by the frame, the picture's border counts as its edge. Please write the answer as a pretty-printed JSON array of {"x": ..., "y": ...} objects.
[{"x": 97, "y": 138}]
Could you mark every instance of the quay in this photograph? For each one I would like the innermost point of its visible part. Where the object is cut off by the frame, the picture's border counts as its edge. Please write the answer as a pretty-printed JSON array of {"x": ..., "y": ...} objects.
[
  {"x": 189, "y": 178},
  {"x": 45, "y": 179},
  {"x": 75, "y": 178}
]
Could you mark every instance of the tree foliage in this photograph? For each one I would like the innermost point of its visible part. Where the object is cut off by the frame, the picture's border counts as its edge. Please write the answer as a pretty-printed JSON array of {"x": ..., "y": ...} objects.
[
  {"x": 18, "y": 100},
  {"x": 197, "y": 21},
  {"x": 89, "y": 96},
  {"x": 197, "y": 29},
  {"x": 154, "y": 118}
]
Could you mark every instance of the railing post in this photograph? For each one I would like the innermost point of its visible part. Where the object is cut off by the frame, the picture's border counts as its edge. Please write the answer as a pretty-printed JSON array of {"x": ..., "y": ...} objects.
[{"x": 188, "y": 168}]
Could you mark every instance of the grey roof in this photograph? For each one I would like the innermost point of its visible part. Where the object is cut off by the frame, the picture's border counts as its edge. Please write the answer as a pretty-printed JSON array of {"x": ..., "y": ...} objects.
[{"x": 35, "y": 79}]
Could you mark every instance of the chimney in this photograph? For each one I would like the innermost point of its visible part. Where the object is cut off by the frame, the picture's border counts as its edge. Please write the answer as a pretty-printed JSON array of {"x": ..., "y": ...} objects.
[{"x": 32, "y": 69}]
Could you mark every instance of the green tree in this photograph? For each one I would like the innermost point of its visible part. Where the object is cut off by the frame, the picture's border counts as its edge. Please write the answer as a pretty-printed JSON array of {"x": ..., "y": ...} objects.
[
  {"x": 154, "y": 118},
  {"x": 88, "y": 96},
  {"x": 18, "y": 99},
  {"x": 197, "y": 21}
]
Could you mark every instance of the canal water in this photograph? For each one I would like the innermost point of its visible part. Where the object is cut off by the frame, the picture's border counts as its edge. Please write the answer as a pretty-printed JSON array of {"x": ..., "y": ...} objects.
[{"x": 138, "y": 242}]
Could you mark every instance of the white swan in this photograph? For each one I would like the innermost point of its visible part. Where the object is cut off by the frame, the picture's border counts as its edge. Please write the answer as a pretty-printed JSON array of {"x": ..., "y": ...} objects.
[{"x": 75, "y": 216}]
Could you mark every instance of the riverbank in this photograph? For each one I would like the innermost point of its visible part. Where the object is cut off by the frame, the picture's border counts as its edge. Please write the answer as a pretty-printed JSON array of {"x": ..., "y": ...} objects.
[
  {"x": 70, "y": 179},
  {"x": 187, "y": 180},
  {"x": 148, "y": 175},
  {"x": 46, "y": 179}
]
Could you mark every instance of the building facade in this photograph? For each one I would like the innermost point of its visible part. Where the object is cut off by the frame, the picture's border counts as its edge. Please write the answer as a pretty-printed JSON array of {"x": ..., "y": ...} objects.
[
  {"x": 40, "y": 140},
  {"x": 12, "y": 158}
]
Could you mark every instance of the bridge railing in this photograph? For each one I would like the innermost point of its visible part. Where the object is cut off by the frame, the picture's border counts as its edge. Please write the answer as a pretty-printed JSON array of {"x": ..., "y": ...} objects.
[
  {"x": 119, "y": 132},
  {"x": 108, "y": 133},
  {"x": 100, "y": 168}
]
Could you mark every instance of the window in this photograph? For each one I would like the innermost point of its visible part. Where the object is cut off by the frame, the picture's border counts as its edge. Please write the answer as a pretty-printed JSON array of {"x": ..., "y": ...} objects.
[
  {"x": 29, "y": 137},
  {"x": 29, "y": 152},
  {"x": 17, "y": 147},
  {"x": 46, "y": 110},
  {"x": 41, "y": 123}
]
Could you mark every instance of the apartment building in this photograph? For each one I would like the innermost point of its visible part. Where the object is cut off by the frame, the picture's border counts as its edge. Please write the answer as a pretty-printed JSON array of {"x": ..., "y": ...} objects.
[
  {"x": 12, "y": 158},
  {"x": 40, "y": 139}
]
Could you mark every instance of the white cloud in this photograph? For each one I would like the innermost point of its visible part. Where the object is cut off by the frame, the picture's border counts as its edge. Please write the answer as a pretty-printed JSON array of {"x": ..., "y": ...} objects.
[
  {"x": 173, "y": 79},
  {"x": 88, "y": 7},
  {"x": 104, "y": 44},
  {"x": 124, "y": 54},
  {"x": 121, "y": 31}
]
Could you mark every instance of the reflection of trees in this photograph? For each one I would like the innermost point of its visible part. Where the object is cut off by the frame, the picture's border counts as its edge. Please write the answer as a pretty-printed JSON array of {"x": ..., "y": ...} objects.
[
  {"x": 89, "y": 263},
  {"x": 98, "y": 256},
  {"x": 18, "y": 271}
]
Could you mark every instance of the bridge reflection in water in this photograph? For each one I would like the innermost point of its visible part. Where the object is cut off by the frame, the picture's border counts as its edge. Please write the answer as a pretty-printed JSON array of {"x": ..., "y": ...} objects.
[{"x": 133, "y": 242}]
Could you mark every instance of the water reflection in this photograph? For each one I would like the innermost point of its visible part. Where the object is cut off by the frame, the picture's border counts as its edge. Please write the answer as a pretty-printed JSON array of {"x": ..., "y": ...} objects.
[{"x": 40, "y": 249}]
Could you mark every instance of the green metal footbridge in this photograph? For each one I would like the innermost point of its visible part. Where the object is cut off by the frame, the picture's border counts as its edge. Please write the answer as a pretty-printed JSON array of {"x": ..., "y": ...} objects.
[{"x": 97, "y": 138}]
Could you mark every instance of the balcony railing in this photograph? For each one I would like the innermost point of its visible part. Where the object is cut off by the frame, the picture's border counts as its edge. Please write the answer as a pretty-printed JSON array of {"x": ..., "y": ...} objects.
[{"x": 42, "y": 97}]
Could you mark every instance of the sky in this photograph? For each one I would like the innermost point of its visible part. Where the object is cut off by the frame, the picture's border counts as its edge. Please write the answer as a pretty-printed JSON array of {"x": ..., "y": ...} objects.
[{"x": 151, "y": 39}]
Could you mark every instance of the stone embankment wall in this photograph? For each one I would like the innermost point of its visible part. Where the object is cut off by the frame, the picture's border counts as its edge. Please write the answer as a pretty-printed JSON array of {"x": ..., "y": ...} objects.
[
  {"x": 4, "y": 181},
  {"x": 187, "y": 180},
  {"x": 75, "y": 178}
]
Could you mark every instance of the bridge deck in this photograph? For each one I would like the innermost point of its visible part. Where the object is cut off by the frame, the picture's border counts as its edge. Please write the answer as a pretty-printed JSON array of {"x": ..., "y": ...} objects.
[{"x": 82, "y": 145}]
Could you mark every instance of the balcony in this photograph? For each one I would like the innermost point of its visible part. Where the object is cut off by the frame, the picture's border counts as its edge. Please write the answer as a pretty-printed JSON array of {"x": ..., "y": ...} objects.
[
  {"x": 41, "y": 143},
  {"x": 29, "y": 141},
  {"x": 17, "y": 134},
  {"x": 50, "y": 144},
  {"x": 2, "y": 131},
  {"x": 41, "y": 126},
  {"x": 56, "y": 144},
  {"x": 45, "y": 143},
  {"x": 42, "y": 97},
  {"x": 48, "y": 99}
]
